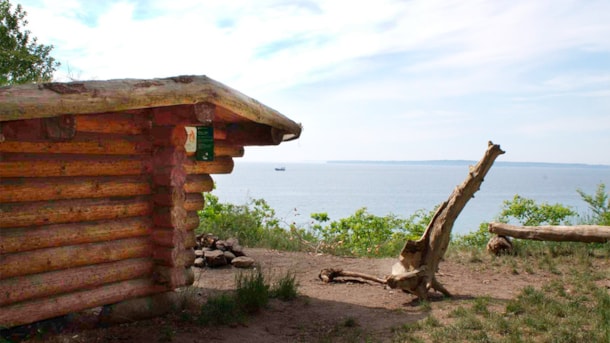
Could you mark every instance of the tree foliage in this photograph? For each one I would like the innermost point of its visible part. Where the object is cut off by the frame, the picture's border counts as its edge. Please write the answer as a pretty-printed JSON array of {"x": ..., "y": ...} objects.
[
  {"x": 22, "y": 59},
  {"x": 365, "y": 234},
  {"x": 599, "y": 204},
  {"x": 528, "y": 213}
]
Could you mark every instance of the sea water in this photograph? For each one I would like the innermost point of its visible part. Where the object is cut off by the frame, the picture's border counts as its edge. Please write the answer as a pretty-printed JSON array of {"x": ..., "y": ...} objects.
[{"x": 339, "y": 189}]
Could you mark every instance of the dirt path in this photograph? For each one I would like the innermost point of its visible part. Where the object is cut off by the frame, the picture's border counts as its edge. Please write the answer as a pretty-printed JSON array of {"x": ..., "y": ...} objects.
[{"x": 339, "y": 312}]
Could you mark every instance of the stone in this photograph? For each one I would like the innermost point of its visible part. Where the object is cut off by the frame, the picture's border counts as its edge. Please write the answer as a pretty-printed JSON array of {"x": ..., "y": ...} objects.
[
  {"x": 243, "y": 262},
  {"x": 237, "y": 250},
  {"x": 221, "y": 245},
  {"x": 199, "y": 262},
  {"x": 198, "y": 253},
  {"x": 229, "y": 256},
  {"x": 231, "y": 242},
  {"x": 215, "y": 258}
]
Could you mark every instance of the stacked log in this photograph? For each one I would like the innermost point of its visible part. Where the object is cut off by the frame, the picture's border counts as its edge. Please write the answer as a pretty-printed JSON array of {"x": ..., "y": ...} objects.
[
  {"x": 213, "y": 252},
  {"x": 76, "y": 204}
]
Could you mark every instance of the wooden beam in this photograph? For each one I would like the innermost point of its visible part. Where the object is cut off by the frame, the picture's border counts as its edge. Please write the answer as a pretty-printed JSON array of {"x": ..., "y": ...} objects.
[
  {"x": 122, "y": 123},
  {"x": 575, "y": 233},
  {"x": 169, "y": 196},
  {"x": 173, "y": 238},
  {"x": 18, "y": 289},
  {"x": 90, "y": 167},
  {"x": 190, "y": 114},
  {"x": 173, "y": 257},
  {"x": 169, "y": 216},
  {"x": 198, "y": 183},
  {"x": 60, "y": 188},
  {"x": 169, "y": 176},
  {"x": 66, "y": 211},
  {"x": 60, "y": 128},
  {"x": 36, "y": 310},
  {"x": 222, "y": 149},
  {"x": 253, "y": 134},
  {"x": 194, "y": 202},
  {"x": 168, "y": 135},
  {"x": 192, "y": 221},
  {"x": 44, "y": 260},
  {"x": 101, "y": 145},
  {"x": 50, "y": 236},
  {"x": 220, "y": 165}
]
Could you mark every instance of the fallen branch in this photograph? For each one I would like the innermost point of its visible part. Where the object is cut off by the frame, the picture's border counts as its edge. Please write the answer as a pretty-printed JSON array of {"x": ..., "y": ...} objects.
[
  {"x": 576, "y": 233},
  {"x": 330, "y": 274}
]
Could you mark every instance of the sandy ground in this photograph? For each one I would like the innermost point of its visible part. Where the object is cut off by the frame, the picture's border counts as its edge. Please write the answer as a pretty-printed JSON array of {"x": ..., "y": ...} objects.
[{"x": 339, "y": 312}]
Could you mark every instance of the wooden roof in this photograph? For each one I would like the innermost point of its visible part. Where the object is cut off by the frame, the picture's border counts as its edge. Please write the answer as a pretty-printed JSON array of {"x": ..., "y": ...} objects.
[{"x": 87, "y": 97}]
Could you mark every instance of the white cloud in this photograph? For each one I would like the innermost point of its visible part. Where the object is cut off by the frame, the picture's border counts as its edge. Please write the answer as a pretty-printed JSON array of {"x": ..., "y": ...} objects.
[{"x": 427, "y": 71}]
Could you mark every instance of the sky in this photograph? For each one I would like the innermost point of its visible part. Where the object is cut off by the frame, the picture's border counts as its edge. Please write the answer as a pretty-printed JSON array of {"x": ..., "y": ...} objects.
[{"x": 368, "y": 80}]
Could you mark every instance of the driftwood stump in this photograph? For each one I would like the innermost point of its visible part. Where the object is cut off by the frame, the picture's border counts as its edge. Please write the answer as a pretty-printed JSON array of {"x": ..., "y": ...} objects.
[{"x": 418, "y": 261}]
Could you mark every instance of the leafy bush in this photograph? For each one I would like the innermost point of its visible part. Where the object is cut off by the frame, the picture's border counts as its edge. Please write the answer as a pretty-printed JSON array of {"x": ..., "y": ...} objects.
[
  {"x": 522, "y": 211},
  {"x": 599, "y": 204},
  {"x": 254, "y": 224},
  {"x": 365, "y": 234},
  {"x": 527, "y": 212}
]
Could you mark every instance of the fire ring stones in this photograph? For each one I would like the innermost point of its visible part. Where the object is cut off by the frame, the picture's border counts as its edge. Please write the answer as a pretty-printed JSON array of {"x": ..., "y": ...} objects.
[{"x": 213, "y": 252}]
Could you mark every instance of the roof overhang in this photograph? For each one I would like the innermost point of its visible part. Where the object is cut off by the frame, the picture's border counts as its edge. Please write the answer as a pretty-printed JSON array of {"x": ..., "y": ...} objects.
[{"x": 55, "y": 99}]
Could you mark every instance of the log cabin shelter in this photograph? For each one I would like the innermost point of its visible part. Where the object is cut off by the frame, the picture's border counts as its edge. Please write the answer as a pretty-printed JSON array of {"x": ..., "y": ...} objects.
[{"x": 101, "y": 181}]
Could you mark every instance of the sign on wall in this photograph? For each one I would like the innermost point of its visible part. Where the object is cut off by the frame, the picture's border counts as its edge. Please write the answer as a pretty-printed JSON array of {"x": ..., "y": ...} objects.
[{"x": 200, "y": 140}]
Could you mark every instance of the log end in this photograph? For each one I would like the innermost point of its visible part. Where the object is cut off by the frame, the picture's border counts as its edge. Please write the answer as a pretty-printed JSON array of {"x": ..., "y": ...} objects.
[
  {"x": 499, "y": 245},
  {"x": 327, "y": 275}
]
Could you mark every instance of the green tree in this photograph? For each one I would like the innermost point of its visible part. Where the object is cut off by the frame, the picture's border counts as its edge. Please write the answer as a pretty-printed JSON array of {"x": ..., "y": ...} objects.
[
  {"x": 599, "y": 204},
  {"x": 22, "y": 59},
  {"x": 528, "y": 213}
]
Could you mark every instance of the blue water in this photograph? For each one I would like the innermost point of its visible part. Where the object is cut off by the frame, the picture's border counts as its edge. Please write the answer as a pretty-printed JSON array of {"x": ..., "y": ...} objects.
[{"x": 340, "y": 189}]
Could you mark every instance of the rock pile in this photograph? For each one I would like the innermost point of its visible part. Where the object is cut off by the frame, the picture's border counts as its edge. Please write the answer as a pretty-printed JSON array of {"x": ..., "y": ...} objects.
[{"x": 213, "y": 252}]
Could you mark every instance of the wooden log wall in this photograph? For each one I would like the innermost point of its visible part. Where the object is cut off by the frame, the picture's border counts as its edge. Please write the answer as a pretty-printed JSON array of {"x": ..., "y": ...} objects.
[{"x": 98, "y": 209}]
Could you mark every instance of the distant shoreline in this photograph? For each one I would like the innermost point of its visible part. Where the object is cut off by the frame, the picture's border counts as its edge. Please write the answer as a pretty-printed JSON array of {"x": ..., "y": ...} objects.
[{"x": 468, "y": 162}]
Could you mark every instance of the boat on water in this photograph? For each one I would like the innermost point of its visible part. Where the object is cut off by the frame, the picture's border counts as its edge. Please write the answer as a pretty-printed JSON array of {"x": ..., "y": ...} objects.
[{"x": 280, "y": 169}]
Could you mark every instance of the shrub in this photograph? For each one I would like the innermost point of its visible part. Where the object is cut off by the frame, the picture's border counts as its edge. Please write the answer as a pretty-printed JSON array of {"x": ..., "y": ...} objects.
[
  {"x": 254, "y": 224},
  {"x": 365, "y": 234},
  {"x": 286, "y": 288},
  {"x": 599, "y": 204},
  {"x": 252, "y": 293}
]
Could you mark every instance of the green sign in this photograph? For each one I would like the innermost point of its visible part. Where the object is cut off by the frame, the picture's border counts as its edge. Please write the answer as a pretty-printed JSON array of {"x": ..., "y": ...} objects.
[{"x": 205, "y": 143}]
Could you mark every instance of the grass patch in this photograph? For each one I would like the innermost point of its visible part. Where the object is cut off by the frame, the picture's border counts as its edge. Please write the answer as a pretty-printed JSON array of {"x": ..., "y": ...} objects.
[
  {"x": 220, "y": 310},
  {"x": 286, "y": 288},
  {"x": 252, "y": 293},
  {"x": 546, "y": 314}
]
